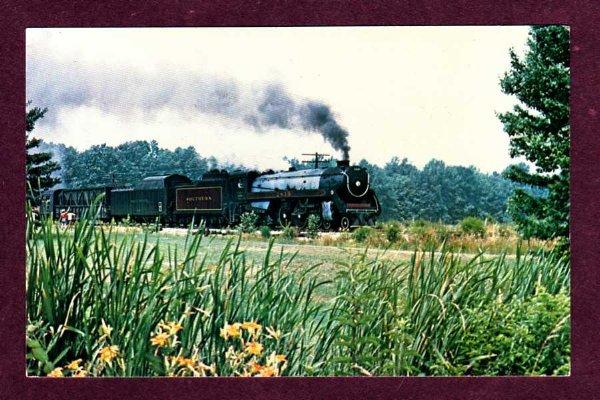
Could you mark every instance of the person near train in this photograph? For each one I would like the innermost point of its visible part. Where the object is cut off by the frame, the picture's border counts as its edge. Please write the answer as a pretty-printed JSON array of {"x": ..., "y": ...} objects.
[
  {"x": 63, "y": 218},
  {"x": 71, "y": 218}
]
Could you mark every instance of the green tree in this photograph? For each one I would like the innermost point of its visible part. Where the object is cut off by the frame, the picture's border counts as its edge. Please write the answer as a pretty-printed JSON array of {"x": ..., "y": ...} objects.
[
  {"x": 538, "y": 127},
  {"x": 38, "y": 164}
]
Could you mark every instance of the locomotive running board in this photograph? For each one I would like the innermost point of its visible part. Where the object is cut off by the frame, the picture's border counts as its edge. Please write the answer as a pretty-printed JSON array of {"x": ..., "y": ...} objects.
[{"x": 284, "y": 194}]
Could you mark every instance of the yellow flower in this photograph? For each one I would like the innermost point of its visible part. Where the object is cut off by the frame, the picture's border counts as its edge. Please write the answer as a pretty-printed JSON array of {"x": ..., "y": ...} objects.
[
  {"x": 108, "y": 353},
  {"x": 174, "y": 327},
  {"x": 160, "y": 339},
  {"x": 56, "y": 373},
  {"x": 73, "y": 365},
  {"x": 80, "y": 374},
  {"x": 267, "y": 371},
  {"x": 171, "y": 327},
  {"x": 254, "y": 367},
  {"x": 280, "y": 358},
  {"x": 251, "y": 327},
  {"x": 184, "y": 362},
  {"x": 231, "y": 331},
  {"x": 254, "y": 348}
]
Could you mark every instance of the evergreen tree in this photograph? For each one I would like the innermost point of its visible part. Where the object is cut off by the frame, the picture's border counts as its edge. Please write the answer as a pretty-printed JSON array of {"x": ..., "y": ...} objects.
[
  {"x": 38, "y": 165},
  {"x": 538, "y": 128}
]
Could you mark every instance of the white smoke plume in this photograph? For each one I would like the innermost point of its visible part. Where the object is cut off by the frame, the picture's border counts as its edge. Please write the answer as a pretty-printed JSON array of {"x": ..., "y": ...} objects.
[{"x": 262, "y": 107}]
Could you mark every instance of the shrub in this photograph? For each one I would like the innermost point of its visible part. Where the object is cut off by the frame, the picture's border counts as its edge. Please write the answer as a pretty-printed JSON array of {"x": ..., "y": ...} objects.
[
  {"x": 313, "y": 226},
  {"x": 248, "y": 221},
  {"x": 521, "y": 337},
  {"x": 442, "y": 232},
  {"x": 419, "y": 223},
  {"x": 392, "y": 232},
  {"x": 505, "y": 231},
  {"x": 268, "y": 221},
  {"x": 289, "y": 232},
  {"x": 361, "y": 234},
  {"x": 429, "y": 234},
  {"x": 473, "y": 226},
  {"x": 265, "y": 231}
]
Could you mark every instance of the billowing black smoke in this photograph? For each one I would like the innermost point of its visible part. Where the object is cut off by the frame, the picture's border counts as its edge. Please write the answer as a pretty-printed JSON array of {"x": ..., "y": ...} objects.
[
  {"x": 279, "y": 109},
  {"x": 61, "y": 86},
  {"x": 318, "y": 116}
]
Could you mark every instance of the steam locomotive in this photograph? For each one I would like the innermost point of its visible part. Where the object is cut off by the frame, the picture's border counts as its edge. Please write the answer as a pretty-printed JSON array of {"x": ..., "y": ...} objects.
[{"x": 340, "y": 195}]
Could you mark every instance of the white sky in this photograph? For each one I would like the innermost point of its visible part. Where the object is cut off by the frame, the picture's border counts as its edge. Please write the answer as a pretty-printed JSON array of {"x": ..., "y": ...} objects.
[{"x": 414, "y": 92}]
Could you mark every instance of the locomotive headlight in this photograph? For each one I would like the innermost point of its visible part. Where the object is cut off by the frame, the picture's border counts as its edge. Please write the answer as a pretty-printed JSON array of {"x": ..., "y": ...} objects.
[{"x": 357, "y": 183}]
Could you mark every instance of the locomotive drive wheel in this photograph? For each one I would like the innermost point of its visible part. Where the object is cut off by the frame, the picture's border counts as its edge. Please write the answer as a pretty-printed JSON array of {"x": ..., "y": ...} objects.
[
  {"x": 284, "y": 216},
  {"x": 300, "y": 221},
  {"x": 344, "y": 223}
]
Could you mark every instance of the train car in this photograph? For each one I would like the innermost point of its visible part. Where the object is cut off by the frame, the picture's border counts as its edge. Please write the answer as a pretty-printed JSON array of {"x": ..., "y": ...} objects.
[
  {"x": 153, "y": 198},
  {"x": 77, "y": 201},
  {"x": 219, "y": 198}
]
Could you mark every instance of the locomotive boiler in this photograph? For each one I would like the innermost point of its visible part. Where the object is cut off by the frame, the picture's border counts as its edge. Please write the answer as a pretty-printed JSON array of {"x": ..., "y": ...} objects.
[{"x": 340, "y": 195}]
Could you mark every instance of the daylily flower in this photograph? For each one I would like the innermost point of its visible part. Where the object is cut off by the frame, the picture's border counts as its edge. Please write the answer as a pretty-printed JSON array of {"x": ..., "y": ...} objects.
[
  {"x": 73, "y": 365},
  {"x": 160, "y": 339},
  {"x": 56, "y": 373},
  {"x": 254, "y": 348},
  {"x": 174, "y": 327},
  {"x": 251, "y": 327},
  {"x": 80, "y": 374},
  {"x": 231, "y": 331},
  {"x": 267, "y": 371},
  {"x": 280, "y": 358},
  {"x": 171, "y": 327},
  {"x": 184, "y": 362},
  {"x": 254, "y": 367},
  {"x": 108, "y": 353}
]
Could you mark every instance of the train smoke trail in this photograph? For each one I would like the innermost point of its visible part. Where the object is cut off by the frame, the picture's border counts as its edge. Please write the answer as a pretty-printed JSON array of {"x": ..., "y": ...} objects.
[
  {"x": 278, "y": 108},
  {"x": 59, "y": 86}
]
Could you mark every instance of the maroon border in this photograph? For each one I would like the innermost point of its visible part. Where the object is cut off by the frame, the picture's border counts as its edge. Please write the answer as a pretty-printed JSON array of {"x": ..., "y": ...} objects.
[{"x": 582, "y": 16}]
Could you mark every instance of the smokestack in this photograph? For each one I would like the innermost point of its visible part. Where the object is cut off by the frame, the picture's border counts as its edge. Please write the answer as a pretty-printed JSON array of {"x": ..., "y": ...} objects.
[{"x": 345, "y": 163}]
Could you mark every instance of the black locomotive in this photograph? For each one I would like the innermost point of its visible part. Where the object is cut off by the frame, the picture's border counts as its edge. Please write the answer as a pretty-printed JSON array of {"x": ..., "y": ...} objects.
[{"x": 340, "y": 195}]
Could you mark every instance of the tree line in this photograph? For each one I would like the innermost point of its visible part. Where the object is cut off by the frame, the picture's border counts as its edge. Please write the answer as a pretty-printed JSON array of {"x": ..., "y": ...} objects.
[
  {"x": 438, "y": 192},
  {"x": 441, "y": 192},
  {"x": 125, "y": 164}
]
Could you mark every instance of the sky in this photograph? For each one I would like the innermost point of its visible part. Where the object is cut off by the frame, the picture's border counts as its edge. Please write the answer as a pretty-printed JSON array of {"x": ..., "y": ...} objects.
[{"x": 255, "y": 95}]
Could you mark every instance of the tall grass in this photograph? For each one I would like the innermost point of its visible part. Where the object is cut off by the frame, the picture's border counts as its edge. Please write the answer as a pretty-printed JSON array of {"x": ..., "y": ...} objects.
[
  {"x": 412, "y": 319},
  {"x": 495, "y": 238},
  {"x": 89, "y": 289}
]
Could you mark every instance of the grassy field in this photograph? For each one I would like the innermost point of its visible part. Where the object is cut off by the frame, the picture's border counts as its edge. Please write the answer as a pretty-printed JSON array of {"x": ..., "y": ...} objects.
[
  {"x": 327, "y": 253},
  {"x": 122, "y": 302}
]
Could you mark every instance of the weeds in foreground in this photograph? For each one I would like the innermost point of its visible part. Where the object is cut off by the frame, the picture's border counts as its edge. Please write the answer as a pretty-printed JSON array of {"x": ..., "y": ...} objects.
[{"x": 99, "y": 304}]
